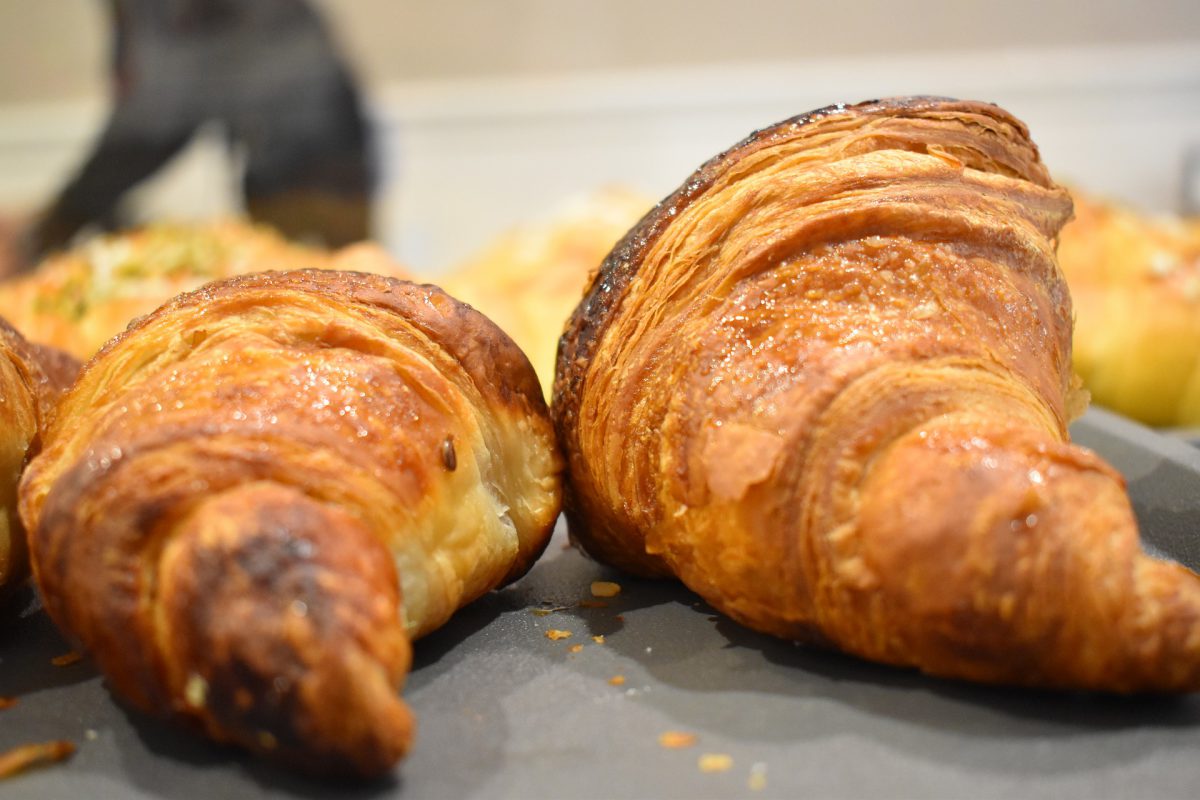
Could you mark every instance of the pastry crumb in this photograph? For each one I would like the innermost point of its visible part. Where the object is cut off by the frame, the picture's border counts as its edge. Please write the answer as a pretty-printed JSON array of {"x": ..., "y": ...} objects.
[
  {"x": 91, "y": 734},
  {"x": 547, "y": 608},
  {"x": 605, "y": 589},
  {"x": 7, "y": 702},
  {"x": 19, "y": 759},
  {"x": 555, "y": 634},
  {"x": 598, "y": 639},
  {"x": 67, "y": 659},
  {"x": 617, "y": 680},
  {"x": 758, "y": 777},
  {"x": 195, "y": 692},
  {"x": 715, "y": 762},
  {"x": 576, "y": 648},
  {"x": 673, "y": 740}
]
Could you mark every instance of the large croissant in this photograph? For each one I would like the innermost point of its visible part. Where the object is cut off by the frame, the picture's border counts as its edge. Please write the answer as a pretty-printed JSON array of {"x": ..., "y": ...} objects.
[
  {"x": 827, "y": 384},
  {"x": 32, "y": 378},
  {"x": 252, "y": 500}
]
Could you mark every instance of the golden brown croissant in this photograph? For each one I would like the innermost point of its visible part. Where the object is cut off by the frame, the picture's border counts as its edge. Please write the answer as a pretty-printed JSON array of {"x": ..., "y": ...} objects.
[
  {"x": 1135, "y": 283},
  {"x": 827, "y": 384},
  {"x": 252, "y": 499},
  {"x": 32, "y": 378},
  {"x": 79, "y": 299},
  {"x": 530, "y": 279}
]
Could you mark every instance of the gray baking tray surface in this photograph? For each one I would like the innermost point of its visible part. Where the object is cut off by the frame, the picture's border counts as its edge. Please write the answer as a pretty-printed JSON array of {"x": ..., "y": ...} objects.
[{"x": 505, "y": 712}]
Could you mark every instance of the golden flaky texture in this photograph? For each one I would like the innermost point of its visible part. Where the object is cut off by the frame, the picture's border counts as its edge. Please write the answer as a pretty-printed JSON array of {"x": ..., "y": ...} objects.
[
  {"x": 530, "y": 279},
  {"x": 1135, "y": 282},
  {"x": 827, "y": 384},
  {"x": 32, "y": 378},
  {"x": 252, "y": 500},
  {"x": 79, "y": 299}
]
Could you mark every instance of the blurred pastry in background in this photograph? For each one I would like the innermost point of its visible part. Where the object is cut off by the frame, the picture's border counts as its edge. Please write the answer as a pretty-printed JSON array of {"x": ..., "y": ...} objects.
[
  {"x": 79, "y": 299},
  {"x": 269, "y": 75},
  {"x": 1135, "y": 284},
  {"x": 530, "y": 279}
]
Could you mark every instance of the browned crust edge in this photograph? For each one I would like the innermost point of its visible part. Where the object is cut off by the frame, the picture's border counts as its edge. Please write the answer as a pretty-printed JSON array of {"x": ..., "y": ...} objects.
[
  {"x": 46, "y": 373},
  {"x": 48, "y": 370},
  {"x": 497, "y": 366},
  {"x": 604, "y": 295}
]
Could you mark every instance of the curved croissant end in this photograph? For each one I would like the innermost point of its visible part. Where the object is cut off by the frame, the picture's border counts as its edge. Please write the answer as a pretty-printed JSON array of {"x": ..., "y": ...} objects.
[
  {"x": 253, "y": 499},
  {"x": 32, "y": 378},
  {"x": 827, "y": 384}
]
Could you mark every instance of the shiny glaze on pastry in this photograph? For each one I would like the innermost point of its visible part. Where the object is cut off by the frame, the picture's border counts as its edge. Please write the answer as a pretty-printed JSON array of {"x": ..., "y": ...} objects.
[
  {"x": 827, "y": 384},
  {"x": 253, "y": 500}
]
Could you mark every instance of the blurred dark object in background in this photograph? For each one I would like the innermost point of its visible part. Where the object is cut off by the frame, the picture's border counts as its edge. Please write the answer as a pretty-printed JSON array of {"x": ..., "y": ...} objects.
[{"x": 268, "y": 73}]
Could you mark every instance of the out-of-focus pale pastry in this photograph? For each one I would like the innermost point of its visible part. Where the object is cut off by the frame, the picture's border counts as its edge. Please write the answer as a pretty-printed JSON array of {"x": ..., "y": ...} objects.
[
  {"x": 529, "y": 279},
  {"x": 1135, "y": 280},
  {"x": 79, "y": 299}
]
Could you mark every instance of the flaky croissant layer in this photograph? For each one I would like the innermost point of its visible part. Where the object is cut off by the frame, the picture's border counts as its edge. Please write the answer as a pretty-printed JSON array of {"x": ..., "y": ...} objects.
[
  {"x": 251, "y": 501},
  {"x": 32, "y": 378},
  {"x": 827, "y": 384}
]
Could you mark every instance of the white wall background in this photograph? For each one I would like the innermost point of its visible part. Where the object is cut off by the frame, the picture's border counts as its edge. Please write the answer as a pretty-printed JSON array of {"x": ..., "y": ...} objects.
[
  {"x": 54, "y": 49},
  {"x": 493, "y": 111}
]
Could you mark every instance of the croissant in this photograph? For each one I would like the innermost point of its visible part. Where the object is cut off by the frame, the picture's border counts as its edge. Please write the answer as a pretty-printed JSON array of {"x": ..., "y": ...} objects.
[
  {"x": 32, "y": 378},
  {"x": 1135, "y": 283},
  {"x": 78, "y": 300},
  {"x": 254, "y": 498},
  {"x": 827, "y": 383}
]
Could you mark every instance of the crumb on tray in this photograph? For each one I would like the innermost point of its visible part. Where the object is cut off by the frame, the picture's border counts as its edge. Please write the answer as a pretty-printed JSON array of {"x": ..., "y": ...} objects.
[
  {"x": 576, "y": 648},
  {"x": 617, "y": 680},
  {"x": 555, "y": 634},
  {"x": 26, "y": 756},
  {"x": 67, "y": 659},
  {"x": 599, "y": 639},
  {"x": 715, "y": 762},
  {"x": 673, "y": 740},
  {"x": 605, "y": 589}
]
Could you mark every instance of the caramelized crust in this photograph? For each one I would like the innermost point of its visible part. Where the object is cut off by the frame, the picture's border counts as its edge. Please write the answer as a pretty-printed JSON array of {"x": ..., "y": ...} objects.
[
  {"x": 827, "y": 384},
  {"x": 254, "y": 498},
  {"x": 32, "y": 378}
]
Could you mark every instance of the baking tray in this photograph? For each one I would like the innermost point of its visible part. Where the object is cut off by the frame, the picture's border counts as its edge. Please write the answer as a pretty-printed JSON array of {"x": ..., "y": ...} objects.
[{"x": 505, "y": 712}]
